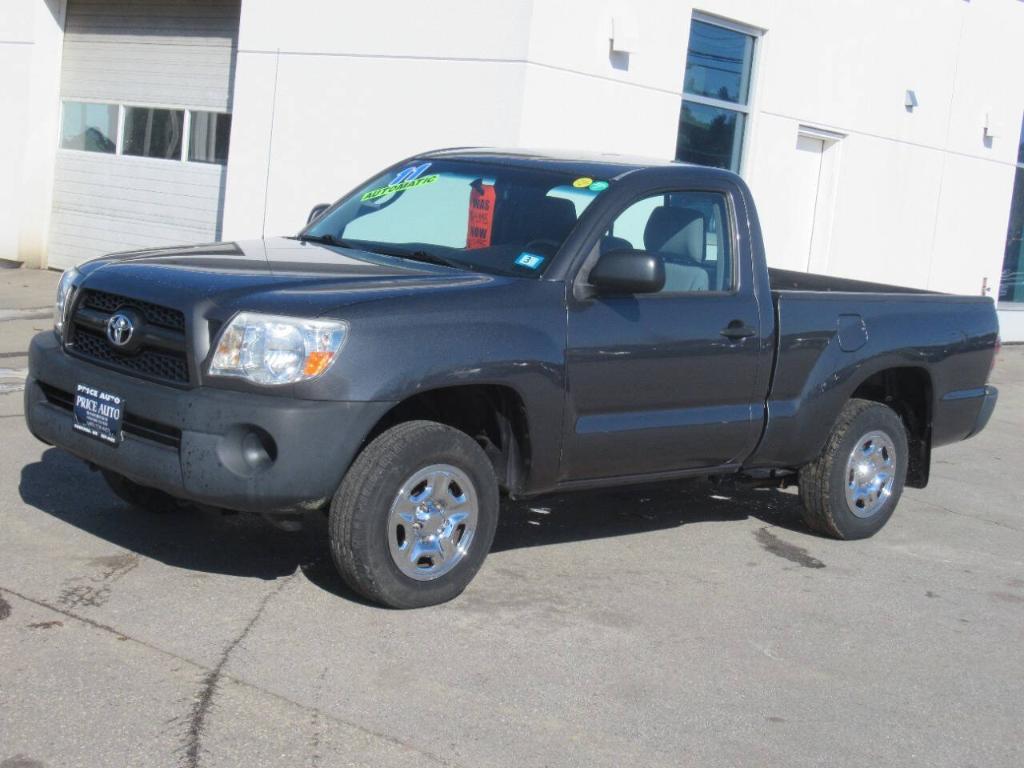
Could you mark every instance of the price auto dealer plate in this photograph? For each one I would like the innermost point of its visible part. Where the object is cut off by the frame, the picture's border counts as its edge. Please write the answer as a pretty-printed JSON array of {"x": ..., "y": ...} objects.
[{"x": 98, "y": 414}]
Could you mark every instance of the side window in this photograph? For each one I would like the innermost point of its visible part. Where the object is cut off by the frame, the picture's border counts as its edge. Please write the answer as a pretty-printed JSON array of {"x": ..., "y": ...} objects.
[{"x": 689, "y": 230}]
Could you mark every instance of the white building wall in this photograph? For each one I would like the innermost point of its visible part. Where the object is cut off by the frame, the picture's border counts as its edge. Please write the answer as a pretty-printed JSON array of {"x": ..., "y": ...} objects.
[
  {"x": 30, "y": 42},
  {"x": 921, "y": 198},
  {"x": 328, "y": 93}
]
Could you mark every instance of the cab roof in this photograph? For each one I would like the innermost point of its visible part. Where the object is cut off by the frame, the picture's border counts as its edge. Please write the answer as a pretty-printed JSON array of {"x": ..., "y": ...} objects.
[{"x": 582, "y": 163}]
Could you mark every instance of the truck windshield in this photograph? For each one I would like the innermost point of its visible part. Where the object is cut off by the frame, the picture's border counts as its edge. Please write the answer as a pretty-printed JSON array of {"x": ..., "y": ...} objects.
[{"x": 484, "y": 217}]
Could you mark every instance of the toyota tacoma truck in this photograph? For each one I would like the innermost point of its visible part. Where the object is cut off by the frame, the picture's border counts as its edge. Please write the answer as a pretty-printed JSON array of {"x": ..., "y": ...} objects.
[{"x": 469, "y": 323}]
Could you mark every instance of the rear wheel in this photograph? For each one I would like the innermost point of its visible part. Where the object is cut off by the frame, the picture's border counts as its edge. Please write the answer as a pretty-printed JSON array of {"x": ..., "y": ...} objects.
[
  {"x": 415, "y": 516},
  {"x": 140, "y": 496},
  {"x": 851, "y": 490}
]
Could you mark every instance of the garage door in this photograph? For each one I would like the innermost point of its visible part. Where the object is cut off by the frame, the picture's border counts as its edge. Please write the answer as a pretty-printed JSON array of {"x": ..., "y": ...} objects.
[{"x": 145, "y": 125}]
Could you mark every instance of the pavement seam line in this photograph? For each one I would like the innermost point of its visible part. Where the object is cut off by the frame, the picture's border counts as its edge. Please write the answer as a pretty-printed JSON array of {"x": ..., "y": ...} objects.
[
  {"x": 204, "y": 701},
  {"x": 236, "y": 680}
]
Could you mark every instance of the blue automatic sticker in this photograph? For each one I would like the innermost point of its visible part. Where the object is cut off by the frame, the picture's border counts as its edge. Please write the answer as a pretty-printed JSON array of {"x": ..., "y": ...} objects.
[{"x": 529, "y": 260}]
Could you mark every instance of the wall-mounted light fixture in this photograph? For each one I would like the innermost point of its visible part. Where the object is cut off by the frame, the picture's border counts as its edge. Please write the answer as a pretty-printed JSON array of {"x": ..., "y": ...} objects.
[
  {"x": 910, "y": 100},
  {"x": 993, "y": 126},
  {"x": 624, "y": 35}
]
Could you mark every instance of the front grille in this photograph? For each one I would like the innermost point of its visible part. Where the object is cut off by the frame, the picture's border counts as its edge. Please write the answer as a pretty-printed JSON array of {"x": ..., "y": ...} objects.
[
  {"x": 154, "y": 313},
  {"x": 148, "y": 362},
  {"x": 162, "y": 355},
  {"x": 132, "y": 424}
]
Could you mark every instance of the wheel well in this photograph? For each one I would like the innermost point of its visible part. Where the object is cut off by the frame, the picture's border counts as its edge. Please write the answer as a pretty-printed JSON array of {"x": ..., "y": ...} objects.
[
  {"x": 493, "y": 415},
  {"x": 908, "y": 391}
]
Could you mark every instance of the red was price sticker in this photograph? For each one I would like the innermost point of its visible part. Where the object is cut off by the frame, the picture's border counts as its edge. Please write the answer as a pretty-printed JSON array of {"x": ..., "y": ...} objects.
[{"x": 481, "y": 216}]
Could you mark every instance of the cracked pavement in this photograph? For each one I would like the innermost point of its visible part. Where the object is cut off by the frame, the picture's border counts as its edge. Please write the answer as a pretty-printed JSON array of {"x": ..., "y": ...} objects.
[{"x": 661, "y": 626}]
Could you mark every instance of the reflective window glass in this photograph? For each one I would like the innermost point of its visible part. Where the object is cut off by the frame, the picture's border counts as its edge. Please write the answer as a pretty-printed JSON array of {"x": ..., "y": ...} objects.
[
  {"x": 718, "y": 63},
  {"x": 710, "y": 136},
  {"x": 211, "y": 133},
  {"x": 89, "y": 127},
  {"x": 152, "y": 132},
  {"x": 1011, "y": 287}
]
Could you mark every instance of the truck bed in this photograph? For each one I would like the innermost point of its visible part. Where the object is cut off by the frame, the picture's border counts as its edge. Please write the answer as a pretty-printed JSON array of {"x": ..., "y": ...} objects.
[{"x": 790, "y": 280}]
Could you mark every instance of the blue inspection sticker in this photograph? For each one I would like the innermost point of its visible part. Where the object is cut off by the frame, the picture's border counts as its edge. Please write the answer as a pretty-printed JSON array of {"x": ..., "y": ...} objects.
[
  {"x": 598, "y": 186},
  {"x": 529, "y": 260}
]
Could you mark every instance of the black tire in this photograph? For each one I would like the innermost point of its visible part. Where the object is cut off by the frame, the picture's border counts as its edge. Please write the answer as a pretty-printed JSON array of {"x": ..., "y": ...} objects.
[
  {"x": 361, "y": 507},
  {"x": 139, "y": 496},
  {"x": 823, "y": 482}
]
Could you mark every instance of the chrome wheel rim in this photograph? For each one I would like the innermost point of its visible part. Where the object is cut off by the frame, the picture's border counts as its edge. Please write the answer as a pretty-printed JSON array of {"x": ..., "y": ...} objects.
[
  {"x": 432, "y": 521},
  {"x": 870, "y": 474}
]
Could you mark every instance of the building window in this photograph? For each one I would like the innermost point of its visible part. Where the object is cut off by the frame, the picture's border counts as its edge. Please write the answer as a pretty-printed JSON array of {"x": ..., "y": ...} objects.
[
  {"x": 89, "y": 127},
  {"x": 716, "y": 95},
  {"x": 209, "y": 137},
  {"x": 1011, "y": 287},
  {"x": 152, "y": 132}
]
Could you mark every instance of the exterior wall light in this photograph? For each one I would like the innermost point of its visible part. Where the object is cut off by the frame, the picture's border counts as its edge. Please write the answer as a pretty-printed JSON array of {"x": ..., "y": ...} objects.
[{"x": 910, "y": 100}]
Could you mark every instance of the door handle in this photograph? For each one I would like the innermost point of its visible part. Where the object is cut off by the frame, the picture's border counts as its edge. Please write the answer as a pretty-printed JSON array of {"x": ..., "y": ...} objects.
[{"x": 737, "y": 330}]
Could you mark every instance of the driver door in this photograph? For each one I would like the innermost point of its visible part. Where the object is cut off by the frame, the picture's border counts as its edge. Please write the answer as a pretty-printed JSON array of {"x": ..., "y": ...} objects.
[{"x": 666, "y": 382}]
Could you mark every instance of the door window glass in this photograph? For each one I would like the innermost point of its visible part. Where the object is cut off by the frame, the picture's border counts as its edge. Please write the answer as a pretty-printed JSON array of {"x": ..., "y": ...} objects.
[
  {"x": 689, "y": 230},
  {"x": 211, "y": 133},
  {"x": 89, "y": 127},
  {"x": 152, "y": 132}
]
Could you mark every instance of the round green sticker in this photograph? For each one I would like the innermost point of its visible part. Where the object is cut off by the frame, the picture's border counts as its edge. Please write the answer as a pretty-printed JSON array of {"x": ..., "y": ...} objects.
[{"x": 599, "y": 186}]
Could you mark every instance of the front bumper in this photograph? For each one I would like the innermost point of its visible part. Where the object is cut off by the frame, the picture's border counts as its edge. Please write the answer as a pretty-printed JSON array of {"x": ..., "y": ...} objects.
[{"x": 198, "y": 444}]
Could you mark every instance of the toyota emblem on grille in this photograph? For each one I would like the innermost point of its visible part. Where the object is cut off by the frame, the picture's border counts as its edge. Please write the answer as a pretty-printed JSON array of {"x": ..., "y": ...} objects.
[{"x": 120, "y": 329}]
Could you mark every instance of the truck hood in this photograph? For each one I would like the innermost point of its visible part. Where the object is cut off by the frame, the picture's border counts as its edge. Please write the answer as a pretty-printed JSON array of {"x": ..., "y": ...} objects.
[{"x": 278, "y": 275}]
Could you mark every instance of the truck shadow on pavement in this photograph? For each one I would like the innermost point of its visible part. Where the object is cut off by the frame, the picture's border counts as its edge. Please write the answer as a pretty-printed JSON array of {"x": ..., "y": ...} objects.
[{"x": 246, "y": 545}]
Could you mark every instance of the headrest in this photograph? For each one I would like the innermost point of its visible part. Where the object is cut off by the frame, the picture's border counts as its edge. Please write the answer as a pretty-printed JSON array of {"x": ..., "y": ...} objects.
[
  {"x": 677, "y": 232},
  {"x": 550, "y": 218}
]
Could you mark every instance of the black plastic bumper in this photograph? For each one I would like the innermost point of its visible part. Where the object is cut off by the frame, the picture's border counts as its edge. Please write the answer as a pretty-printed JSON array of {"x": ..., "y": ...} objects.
[
  {"x": 198, "y": 444},
  {"x": 988, "y": 404}
]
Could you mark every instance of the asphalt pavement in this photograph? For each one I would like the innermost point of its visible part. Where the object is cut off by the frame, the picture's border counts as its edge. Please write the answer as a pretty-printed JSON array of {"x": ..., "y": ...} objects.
[{"x": 678, "y": 625}]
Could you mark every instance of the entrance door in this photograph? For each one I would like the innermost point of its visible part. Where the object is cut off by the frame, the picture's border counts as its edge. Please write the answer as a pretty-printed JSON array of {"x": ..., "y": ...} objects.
[{"x": 806, "y": 184}]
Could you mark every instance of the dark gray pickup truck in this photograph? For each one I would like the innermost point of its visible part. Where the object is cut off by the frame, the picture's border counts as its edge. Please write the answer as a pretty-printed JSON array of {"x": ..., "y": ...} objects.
[{"x": 469, "y": 322}]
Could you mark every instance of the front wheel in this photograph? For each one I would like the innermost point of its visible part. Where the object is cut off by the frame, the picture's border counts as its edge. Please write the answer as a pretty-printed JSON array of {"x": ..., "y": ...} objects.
[
  {"x": 415, "y": 516},
  {"x": 852, "y": 488}
]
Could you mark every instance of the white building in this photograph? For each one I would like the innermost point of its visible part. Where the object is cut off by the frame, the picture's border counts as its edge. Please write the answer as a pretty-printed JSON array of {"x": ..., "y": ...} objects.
[{"x": 882, "y": 138}]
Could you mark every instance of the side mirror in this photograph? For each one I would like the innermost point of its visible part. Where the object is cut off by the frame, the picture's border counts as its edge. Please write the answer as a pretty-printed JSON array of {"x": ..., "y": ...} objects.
[
  {"x": 625, "y": 272},
  {"x": 317, "y": 212}
]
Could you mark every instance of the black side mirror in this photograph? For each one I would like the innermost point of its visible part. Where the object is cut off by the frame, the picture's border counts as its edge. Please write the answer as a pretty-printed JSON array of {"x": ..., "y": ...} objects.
[
  {"x": 317, "y": 212},
  {"x": 625, "y": 272}
]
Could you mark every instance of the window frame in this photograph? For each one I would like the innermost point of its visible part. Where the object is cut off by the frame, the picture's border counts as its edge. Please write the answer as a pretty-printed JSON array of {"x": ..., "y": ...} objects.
[
  {"x": 122, "y": 107},
  {"x": 746, "y": 109},
  {"x": 185, "y": 127},
  {"x": 101, "y": 102},
  {"x": 731, "y": 219},
  {"x": 1012, "y": 304}
]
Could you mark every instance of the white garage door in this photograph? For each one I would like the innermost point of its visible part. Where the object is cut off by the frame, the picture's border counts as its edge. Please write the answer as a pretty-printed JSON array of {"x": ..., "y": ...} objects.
[{"x": 145, "y": 125}]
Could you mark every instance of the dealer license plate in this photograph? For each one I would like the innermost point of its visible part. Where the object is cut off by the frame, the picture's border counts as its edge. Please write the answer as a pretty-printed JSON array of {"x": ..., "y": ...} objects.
[{"x": 98, "y": 414}]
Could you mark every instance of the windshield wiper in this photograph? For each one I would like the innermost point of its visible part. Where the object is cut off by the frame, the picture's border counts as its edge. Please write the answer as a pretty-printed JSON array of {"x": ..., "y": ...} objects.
[
  {"x": 325, "y": 240},
  {"x": 418, "y": 255}
]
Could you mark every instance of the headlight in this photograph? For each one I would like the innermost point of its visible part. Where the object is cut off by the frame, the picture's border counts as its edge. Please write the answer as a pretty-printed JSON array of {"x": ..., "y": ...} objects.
[
  {"x": 267, "y": 349},
  {"x": 61, "y": 306}
]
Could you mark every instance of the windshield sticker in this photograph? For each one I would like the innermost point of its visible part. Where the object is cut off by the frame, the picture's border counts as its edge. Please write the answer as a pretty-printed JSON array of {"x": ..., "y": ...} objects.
[
  {"x": 583, "y": 182},
  {"x": 410, "y": 173},
  {"x": 481, "y": 216},
  {"x": 599, "y": 186},
  {"x": 529, "y": 260},
  {"x": 401, "y": 186}
]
